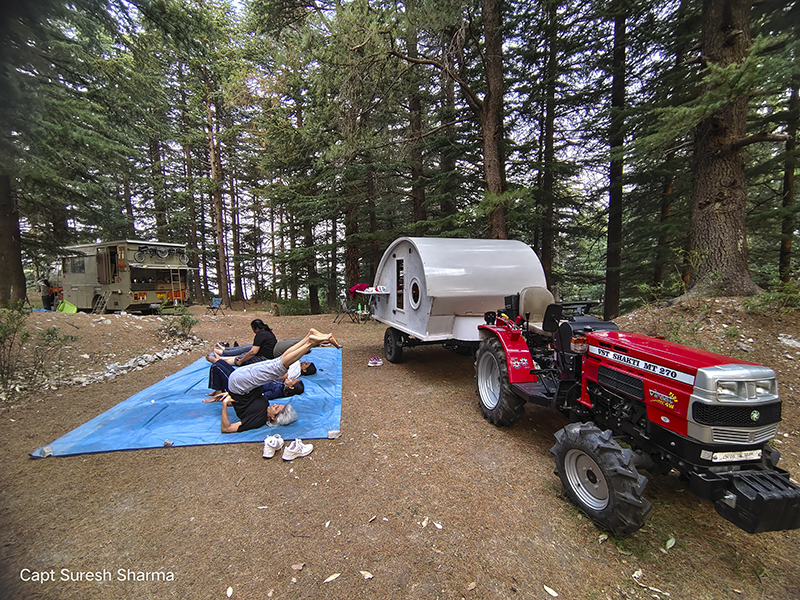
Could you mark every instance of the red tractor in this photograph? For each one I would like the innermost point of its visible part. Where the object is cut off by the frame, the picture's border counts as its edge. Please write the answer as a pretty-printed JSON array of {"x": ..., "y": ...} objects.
[{"x": 639, "y": 402}]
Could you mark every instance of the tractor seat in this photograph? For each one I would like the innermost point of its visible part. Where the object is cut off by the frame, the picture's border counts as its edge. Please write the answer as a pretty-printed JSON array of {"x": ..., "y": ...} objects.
[{"x": 534, "y": 301}]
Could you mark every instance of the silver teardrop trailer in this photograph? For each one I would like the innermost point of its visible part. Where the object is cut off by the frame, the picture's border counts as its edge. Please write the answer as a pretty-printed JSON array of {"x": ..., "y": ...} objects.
[{"x": 436, "y": 290}]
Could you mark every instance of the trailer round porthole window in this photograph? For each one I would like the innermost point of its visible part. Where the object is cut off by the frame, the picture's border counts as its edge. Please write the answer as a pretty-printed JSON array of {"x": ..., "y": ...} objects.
[{"x": 415, "y": 293}]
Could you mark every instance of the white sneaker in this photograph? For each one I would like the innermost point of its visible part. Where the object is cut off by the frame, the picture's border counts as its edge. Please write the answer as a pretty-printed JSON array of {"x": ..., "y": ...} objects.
[
  {"x": 271, "y": 445},
  {"x": 297, "y": 448}
]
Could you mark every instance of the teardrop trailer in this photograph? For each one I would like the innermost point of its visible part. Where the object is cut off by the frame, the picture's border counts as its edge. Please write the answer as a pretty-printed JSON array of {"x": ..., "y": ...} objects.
[
  {"x": 436, "y": 290},
  {"x": 633, "y": 402}
]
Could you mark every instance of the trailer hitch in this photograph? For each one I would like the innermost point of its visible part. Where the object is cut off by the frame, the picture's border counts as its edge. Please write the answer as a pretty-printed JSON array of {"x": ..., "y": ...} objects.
[{"x": 754, "y": 500}]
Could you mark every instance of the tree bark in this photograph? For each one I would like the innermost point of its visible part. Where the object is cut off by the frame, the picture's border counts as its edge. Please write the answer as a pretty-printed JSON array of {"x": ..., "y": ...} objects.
[
  {"x": 719, "y": 194},
  {"x": 12, "y": 277},
  {"x": 616, "y": 137}
]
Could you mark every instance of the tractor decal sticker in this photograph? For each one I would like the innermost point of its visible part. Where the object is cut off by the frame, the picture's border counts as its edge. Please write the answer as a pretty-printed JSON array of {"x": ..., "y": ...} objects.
[
  {"x": 643, "y": 364},
  {"x": 667, "y": 400},
  {"x": 519, "y": 363}
]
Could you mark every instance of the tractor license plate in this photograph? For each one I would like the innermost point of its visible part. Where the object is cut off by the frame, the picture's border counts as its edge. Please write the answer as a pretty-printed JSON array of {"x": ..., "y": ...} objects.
[{"x": 724, "y": 457}]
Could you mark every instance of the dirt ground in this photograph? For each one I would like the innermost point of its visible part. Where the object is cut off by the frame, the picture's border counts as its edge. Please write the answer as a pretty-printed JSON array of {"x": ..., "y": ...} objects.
[{"x": 419, "y": 498}]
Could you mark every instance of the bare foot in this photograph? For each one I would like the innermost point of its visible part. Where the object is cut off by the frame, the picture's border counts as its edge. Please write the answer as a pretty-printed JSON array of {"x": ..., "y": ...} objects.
[
  {"x": 323, "y": 339},
  {"x": 215, "y": 397},
  {"x": 212, "y": 358}
]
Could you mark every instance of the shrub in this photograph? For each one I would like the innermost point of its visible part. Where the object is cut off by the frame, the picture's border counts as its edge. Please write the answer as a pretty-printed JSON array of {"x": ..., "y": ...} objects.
[
  {"x": 782, "y": 297},
  {"x": 178, "y": 324},
  {"x": 12, "y": 336},
  {"x": 48, "y": 352}
]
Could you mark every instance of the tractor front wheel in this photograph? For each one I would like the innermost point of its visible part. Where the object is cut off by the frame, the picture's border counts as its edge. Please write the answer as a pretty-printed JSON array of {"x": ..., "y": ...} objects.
[
  {"x": 600, "y": 478},
  {"x": 499, "y": 404},
  {"x": 392, "y": 348}
]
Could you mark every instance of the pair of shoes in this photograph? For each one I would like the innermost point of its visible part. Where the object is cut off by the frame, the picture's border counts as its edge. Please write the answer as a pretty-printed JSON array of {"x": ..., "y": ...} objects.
[
  {"x": 223, "y": 344},
  {"x": 374, "y": 362},
  {"x": 271, "y": 445},
  {"x": 297, "y": 448}
]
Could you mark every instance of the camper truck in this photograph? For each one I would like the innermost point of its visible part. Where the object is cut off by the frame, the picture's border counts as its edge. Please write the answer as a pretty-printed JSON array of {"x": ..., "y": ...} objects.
[{"x": 125, "y": 275}]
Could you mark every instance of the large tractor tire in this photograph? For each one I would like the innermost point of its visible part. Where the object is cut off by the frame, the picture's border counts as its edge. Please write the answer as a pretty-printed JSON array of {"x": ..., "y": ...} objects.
[
  {"x": 600, "y": 478},
  {"x": 392, "y": 348},
  {"x": 499, "y": 404}
]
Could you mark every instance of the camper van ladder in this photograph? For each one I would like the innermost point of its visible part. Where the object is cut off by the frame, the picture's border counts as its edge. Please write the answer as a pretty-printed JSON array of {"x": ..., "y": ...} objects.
[
  {"x": 100, "y": 306},
  {"x": 174, "y": 284}
]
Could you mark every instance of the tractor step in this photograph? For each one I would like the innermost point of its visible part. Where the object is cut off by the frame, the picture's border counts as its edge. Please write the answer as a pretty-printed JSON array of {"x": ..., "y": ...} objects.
[{"x": 533, "y": 391}]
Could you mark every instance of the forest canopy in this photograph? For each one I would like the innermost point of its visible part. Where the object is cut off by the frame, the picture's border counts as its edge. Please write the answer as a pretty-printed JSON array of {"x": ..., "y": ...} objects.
[{"x": 643, "y": 149}]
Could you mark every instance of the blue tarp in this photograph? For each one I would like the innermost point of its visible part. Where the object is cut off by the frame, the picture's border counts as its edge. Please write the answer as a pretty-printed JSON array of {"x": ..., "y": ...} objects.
[{"x": 173, "y": 409}]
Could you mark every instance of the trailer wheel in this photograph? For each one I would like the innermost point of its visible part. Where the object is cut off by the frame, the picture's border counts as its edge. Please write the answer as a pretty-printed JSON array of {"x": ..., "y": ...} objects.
[
  {"x": 599, "y": 476},
  {"x": 391, "y": 345},
  {"x": 499, "y": 404},
  {"x": 139, "y": 256}
]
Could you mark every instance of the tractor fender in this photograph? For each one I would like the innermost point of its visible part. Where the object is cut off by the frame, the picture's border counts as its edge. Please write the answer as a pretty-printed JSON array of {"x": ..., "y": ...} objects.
[{"x": 518, "y": 357}]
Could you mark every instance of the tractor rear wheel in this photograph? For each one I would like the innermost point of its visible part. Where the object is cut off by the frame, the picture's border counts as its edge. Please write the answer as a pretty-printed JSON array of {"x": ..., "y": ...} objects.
[
  {"x": 499, "y": 404},
  {"x": 392, "y": 348},
  {"x": 599, "y": 476}
]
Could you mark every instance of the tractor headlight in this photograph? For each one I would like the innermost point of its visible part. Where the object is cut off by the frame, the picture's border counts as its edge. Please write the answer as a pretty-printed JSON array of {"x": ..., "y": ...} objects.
[
  {"x": 727, "y": 390},
  {"x": 765, "y": 387}
]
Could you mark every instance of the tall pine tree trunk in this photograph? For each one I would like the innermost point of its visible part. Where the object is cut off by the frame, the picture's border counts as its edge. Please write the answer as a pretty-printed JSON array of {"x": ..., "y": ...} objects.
[
  {"x": 351, "y": 271},
  {"x": 667, "y": 197},
  {"x": 12, "y": 277},
  {"x": 616, "y": 136},
  {"x": 790, "y": 164},
  {"x": 158, "y": 185},
  {"x": 719, "y": 193},
  {"x": 491, "y": 117},
  {"x": 447, "y": 165},
  {"x": 548, "y": 150},
  {"x": 311, "y": 267},
  {"x": 238, "y": 286},
  {"x": 419, "y": 211},
  {"x": 219, "y": 210}
]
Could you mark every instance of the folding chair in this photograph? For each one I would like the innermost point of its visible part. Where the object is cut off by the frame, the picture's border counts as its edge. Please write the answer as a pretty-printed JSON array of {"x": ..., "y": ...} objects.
[
  {"x": 215, "y": 307},
  {"x": 345, "y": 309}
]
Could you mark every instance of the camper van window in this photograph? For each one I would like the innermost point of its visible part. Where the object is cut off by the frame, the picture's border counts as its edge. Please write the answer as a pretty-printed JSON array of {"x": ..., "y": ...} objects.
[
  {"x": 400, "y": 281},
  {"x": 74, "y": 264},
  {"x": 415, "y": 293}
]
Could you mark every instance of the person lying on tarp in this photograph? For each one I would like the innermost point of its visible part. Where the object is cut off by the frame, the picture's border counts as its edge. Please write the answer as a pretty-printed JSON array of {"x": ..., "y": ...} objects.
[
  {"x": 220, "y": 372},
  {"x": 244, "y": 385},
  {"x": 297, "y": 368},
  {"x": 261, "y": 349}
]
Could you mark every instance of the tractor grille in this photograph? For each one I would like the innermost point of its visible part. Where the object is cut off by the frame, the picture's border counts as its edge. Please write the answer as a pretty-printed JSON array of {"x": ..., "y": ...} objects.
[
  {"x": 627, "y": 384},
  {"x": 736, "y": 416},
  {"x": 744, "y": 436}
]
